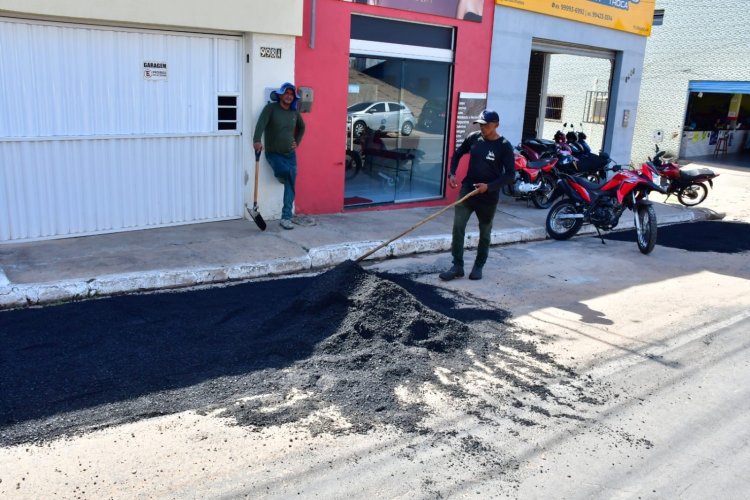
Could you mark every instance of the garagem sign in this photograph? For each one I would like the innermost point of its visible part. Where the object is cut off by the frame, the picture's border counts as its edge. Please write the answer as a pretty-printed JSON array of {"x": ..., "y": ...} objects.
[{"x": 633, "y": 16}]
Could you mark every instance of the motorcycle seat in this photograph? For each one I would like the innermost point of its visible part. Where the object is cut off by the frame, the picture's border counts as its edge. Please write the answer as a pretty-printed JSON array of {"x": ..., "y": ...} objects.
[
  {"x": 538, "y": 163},
  {"x": 695, "y": 173},
  {"x": 591, "y": 186},
  {"x": 592, "y": 163}
]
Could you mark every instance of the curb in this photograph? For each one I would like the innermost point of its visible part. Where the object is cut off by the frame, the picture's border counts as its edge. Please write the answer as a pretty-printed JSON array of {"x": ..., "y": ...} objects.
[{"x": 14, "y": 296}]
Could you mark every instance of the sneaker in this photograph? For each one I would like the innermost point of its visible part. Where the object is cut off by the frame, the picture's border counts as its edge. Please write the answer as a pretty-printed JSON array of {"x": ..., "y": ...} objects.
[
  {"x": 452, "y": 273},
  {"x": 286, "y": 224},
  {"x": 303, "y": 220},
  {"x": 476, "y": 273}
]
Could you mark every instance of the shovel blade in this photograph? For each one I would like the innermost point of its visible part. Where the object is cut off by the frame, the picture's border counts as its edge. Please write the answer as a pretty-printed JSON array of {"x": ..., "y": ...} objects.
[{"x": 257, "y": 217}]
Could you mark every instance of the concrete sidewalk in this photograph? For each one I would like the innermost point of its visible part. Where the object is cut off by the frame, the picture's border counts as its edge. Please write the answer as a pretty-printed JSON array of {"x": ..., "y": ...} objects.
[{"x": 46, "y": 272}]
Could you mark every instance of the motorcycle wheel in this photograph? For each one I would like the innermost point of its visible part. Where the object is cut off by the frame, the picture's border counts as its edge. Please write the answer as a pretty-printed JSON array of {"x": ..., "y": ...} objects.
[
  {"x": 352, "y": 164},
  {"x": 542, "y": 197},
  {"x": 562, "y": 229},
  {"x": 645, "y": 228},
  {"x": 692, "y": 195}
]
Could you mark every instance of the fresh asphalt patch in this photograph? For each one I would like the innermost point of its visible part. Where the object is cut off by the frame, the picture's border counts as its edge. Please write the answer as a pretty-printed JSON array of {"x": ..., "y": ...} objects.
[
  {"x": 703, "y": 236},
  {"x": 345, "y": 351}
]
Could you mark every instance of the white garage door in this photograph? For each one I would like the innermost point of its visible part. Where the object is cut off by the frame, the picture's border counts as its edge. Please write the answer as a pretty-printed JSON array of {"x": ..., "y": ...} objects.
[{"x": 106, "y": 129}]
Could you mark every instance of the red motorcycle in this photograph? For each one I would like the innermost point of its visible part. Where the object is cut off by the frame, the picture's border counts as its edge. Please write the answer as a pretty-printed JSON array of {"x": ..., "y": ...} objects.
[
  {"x": 535, "y": 181},
  {"x": 689, "y": 185},
  {"x": 602, "y": 205}
]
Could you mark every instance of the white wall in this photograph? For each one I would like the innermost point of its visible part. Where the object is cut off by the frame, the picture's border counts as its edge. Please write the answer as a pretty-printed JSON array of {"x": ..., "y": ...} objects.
[
  {"x": 513, "y": 31},
  {"x": 259, "y": 16},
  {"x": 698, "y": 41},
  {"x": 263, "y": 73},
  {"x": 571, "y": 77}
]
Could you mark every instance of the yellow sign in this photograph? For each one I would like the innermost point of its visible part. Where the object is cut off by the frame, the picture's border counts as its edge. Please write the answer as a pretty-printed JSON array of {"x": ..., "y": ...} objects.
[{"x": 633, "y": 16}]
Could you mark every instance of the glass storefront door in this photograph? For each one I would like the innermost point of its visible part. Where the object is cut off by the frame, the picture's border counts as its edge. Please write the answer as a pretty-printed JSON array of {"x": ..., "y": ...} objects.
[{"x": 396, "y": 126}]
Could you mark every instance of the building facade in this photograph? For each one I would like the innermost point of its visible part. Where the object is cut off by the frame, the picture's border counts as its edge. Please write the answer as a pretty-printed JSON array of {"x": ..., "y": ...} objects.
[
  {"x": 127, "y": 115},
  {"x": 386, "y": 78},
  {"x": 527, "y": 37},
  {"x": 696, "y": 80}
]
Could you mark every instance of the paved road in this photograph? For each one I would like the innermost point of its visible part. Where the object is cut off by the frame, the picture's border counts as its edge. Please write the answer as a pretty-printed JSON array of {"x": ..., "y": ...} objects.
[{"x": 619, "y": 375}]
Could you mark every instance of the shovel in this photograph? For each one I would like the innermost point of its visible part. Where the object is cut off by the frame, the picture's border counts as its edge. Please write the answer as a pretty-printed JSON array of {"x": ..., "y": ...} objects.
[
  {"x": 423, "y": 221},
  {"x": 254, "y": 213}
]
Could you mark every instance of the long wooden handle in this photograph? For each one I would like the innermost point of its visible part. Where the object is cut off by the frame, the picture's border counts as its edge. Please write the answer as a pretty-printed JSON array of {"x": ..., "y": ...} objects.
[
  {"x": 257, "y": 167},
  {"x": 423, "y": 221}
]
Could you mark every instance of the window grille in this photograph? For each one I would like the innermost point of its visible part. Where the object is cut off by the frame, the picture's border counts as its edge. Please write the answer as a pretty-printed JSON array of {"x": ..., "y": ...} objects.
[
  {"x": 227, "y": 112},
  {"x": 554, "y": 108},
  {"x": 595, "y": 109}
]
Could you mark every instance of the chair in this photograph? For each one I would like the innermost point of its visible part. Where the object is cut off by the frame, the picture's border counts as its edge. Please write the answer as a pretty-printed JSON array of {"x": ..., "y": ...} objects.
[{"x": 721, "y": 144}]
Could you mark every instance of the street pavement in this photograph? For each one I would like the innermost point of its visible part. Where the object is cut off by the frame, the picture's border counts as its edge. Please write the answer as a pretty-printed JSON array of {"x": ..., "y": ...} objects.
[{"x": 63, "y": 270}]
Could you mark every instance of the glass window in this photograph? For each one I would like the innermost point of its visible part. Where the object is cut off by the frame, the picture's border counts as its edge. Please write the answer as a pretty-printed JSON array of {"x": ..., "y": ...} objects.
[{"x": 397, "y": 115}]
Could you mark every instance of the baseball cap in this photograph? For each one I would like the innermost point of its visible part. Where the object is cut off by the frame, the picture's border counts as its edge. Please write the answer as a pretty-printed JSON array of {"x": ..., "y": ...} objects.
[{"x": 487, "y": 116}]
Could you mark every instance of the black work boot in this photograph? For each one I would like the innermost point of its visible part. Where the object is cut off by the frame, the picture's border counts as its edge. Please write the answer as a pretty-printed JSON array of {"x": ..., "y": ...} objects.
[
  {"x": 452, "y": 273},
  {"x": 476, "y": 273}
]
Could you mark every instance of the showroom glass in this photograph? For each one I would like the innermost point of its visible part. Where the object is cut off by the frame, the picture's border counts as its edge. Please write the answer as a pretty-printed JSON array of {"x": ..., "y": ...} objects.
[{"x": 395, "y": 130}]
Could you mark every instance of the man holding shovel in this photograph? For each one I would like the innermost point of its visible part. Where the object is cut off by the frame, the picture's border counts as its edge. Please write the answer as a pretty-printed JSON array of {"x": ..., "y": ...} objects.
[
  {"x": 491, "y": 164},
  {"x": 282, "y": 128}
]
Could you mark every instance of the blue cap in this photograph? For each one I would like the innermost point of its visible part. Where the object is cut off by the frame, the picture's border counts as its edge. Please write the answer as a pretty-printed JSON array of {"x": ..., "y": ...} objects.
[{"x": 488, "y": 116}]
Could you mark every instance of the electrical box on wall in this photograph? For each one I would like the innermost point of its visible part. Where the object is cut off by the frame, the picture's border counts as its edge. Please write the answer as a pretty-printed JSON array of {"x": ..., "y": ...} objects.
[
  {"x": 305, "y": 99},
  {"x": 658, "y": 135}
]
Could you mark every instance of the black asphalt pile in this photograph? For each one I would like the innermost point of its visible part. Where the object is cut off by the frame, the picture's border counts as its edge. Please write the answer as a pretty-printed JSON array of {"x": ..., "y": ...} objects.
[
  {"x": 343, "y": 351},
  {"x": 702, "y": 236},
  {"x": 365, "y": 336}
]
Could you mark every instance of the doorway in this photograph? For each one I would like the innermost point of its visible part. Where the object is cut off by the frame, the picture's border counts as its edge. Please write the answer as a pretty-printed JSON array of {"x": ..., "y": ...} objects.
[{"x": 568, "y": 90}]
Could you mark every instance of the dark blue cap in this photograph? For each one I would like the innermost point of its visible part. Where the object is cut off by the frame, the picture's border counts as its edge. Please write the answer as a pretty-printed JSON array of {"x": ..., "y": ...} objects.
[{"x": 488, "y": 116}]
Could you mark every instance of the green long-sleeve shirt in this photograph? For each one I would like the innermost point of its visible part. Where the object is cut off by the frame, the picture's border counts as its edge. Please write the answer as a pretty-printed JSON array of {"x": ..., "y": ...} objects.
[{"x": 279, "y": 127}]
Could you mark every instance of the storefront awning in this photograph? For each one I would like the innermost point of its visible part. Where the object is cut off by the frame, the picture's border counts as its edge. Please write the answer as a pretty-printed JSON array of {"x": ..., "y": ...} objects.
[{"x": 717, "y": 87}]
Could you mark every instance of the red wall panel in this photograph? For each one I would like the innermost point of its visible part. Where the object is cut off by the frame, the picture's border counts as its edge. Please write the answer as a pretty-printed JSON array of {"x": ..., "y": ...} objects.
[{"x": 324, "y": 67}]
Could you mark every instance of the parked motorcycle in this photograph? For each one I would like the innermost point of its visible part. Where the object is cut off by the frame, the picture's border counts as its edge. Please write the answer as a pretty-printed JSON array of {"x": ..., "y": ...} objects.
[
  {"x": 603, "y": 205},
  {"x": 577, "y": 140},
  {"x": 688, "y": 184},
  {"x": 536, "y": 149},
  {"x": 574, "y": 156},
  {"x": 534, "y": 181}
]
